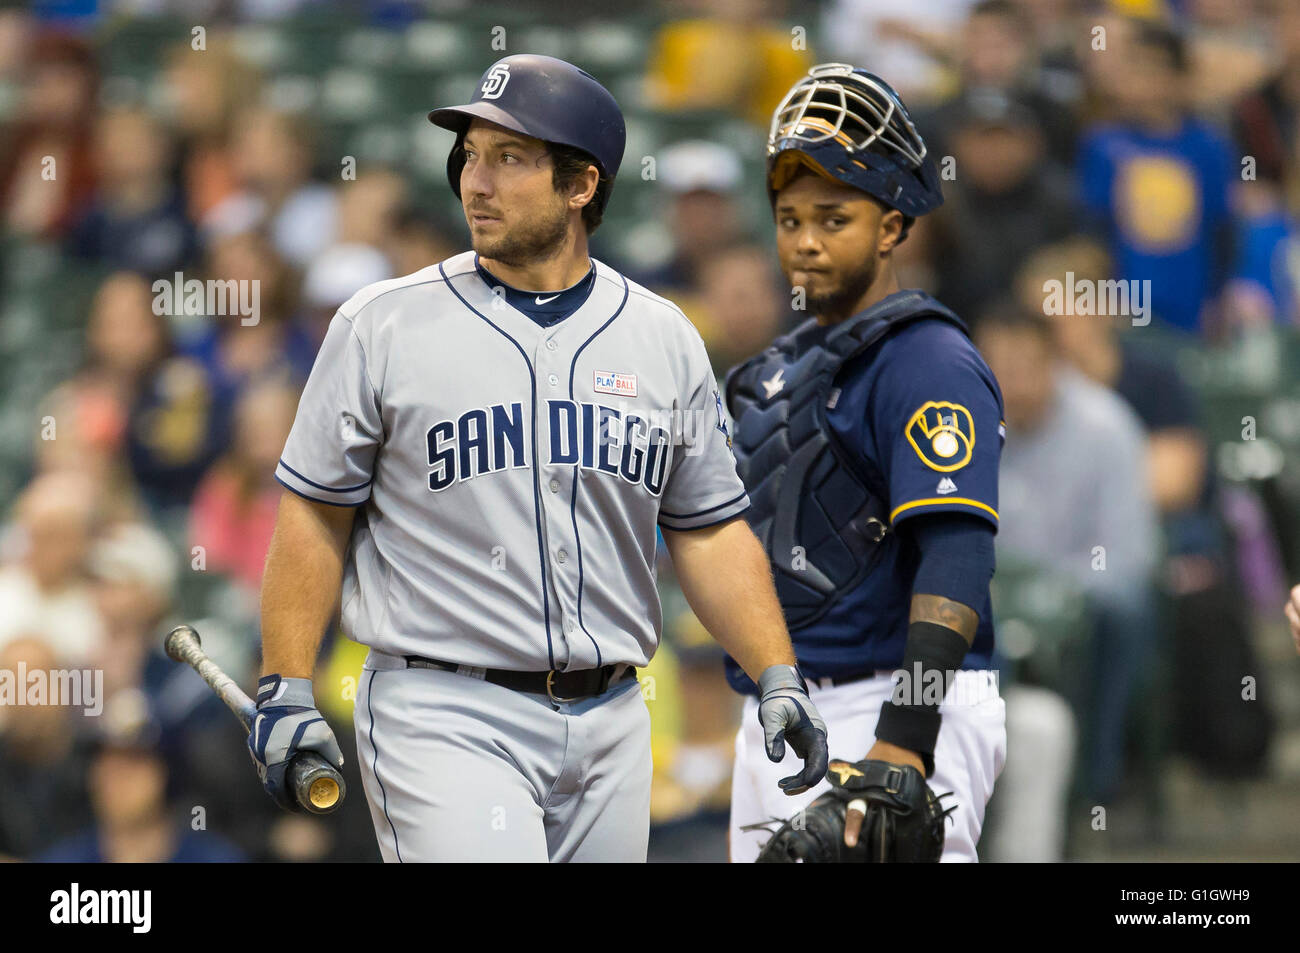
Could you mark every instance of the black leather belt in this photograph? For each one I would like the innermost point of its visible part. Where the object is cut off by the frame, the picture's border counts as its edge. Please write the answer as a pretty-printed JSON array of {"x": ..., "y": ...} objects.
[
  {"x": 557, "y": 686},
  {"x": 838, "y": 680}
]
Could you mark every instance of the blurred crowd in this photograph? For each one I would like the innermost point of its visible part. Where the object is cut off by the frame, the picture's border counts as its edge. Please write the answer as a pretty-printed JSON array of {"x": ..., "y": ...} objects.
[{"x": 1079, "y": 143}]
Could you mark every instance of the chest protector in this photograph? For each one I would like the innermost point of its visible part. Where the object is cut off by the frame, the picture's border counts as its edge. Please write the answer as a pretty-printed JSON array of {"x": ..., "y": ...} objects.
[{"x": 812, "y": 503}]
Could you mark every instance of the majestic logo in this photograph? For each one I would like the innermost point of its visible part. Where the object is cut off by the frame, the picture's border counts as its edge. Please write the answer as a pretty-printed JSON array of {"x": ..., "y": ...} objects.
[
  {"x": 611, "y": 382},
  {"x": 479, "y": 441},
  {"x": 772, "y": 386},
  {"x": 946, "y": 486},
  {"x": 722, "y": 418},
  {"x": 843, "y": 770},
  {"x": 494, "y": 83},
  {"x": 942, "y": 434}
]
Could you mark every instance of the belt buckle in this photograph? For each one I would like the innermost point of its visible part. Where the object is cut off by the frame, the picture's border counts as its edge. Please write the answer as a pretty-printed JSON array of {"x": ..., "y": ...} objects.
[{"x": 550, "y": 690}]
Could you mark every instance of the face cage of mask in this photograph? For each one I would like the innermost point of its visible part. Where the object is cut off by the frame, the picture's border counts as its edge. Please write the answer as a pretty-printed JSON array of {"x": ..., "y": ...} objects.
[{"x": 890, "y": 126}]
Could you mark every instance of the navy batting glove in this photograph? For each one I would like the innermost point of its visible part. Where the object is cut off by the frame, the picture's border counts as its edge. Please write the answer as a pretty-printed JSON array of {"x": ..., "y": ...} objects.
[
  {"x": 787, "y": 713},
  {"x": 286, "y": 723}
]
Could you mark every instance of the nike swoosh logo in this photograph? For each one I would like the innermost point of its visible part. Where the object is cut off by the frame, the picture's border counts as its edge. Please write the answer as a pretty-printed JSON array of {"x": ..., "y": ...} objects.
[{"x": 540, "y": 300}]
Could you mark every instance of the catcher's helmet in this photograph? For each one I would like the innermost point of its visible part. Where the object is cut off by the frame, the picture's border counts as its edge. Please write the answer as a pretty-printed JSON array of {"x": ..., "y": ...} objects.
[
  {"x": 542, "y": 97},
  {"x": 849, "y": 125}
]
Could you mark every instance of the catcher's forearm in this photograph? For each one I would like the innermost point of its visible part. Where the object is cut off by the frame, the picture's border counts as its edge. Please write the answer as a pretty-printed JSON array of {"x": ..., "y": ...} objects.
[
  {"x": 938, "y": 636},
  {"x": 727, "y": 580},
  {"x": 941, "y": 610},
  {"x": 301, "y": 583}
]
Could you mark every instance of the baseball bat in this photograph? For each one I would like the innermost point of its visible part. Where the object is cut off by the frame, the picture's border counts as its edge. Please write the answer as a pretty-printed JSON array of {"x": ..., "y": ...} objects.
[{"x": 316, "y": 784}]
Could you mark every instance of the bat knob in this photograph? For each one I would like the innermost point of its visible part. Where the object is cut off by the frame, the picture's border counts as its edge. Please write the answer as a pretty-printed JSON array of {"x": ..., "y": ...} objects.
[
  {"x": 172, "y": 643},
  {"x": 316, "y": 784},
  {"x": 323, "y": 793}
]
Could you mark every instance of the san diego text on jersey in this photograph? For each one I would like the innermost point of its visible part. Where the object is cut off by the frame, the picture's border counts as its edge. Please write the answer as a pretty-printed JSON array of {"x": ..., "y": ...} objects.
[{"x": 610, "y": 440}]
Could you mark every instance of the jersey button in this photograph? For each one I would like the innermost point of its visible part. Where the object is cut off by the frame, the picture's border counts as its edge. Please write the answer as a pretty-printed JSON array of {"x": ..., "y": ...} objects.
[
  {"x": 555, "y": 381},
  {"x": 561, "y": 556},
  {"x": 551, "y": 345},
  {"x": 555, "y": 486}
]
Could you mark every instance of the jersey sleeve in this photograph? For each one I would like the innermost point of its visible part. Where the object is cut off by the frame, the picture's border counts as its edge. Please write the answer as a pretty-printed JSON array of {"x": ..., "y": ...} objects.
[
  {"x": 703, "y": 488},
  {"x": 937, "y": 419},
  {"x": 330, "y": 454}
]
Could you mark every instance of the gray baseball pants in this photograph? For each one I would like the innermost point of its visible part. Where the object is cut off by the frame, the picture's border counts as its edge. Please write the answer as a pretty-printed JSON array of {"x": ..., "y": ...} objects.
[{"x": 456, "y": 768}]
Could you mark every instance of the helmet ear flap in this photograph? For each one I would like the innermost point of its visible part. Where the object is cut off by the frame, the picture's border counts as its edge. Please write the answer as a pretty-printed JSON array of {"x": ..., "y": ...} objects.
[{"x": 455, "y": 163}]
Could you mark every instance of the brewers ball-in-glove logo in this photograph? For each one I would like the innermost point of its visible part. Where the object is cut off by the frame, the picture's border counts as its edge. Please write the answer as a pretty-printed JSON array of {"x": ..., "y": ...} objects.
[{"x": 942, "y": 434}]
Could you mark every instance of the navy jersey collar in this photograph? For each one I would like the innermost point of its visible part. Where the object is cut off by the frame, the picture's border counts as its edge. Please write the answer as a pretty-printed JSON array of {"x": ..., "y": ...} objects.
[{"x": 544, "y": 307}]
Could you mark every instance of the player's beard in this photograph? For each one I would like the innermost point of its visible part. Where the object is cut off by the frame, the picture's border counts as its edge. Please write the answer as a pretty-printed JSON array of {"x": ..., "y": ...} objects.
[
  {"x": 841, "y": 302},
  {"x": 536, "y": 240}
]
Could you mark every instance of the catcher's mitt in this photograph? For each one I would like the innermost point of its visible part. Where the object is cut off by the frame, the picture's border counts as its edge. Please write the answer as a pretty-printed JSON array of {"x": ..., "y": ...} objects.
[{"x": 903, "y": 823}]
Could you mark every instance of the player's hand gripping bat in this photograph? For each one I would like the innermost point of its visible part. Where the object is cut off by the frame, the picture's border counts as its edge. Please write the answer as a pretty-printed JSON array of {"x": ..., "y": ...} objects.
[{"x": 316, "y": 784}]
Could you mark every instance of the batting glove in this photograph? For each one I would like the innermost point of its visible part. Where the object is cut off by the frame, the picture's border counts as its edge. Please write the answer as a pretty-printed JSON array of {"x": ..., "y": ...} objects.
[
  {"x": 787, "y": 713},
  {"x": 286, "y": 723}
]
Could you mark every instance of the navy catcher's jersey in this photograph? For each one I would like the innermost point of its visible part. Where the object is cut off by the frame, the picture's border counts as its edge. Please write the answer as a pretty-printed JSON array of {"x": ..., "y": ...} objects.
[{"x": 922, "y": 413}]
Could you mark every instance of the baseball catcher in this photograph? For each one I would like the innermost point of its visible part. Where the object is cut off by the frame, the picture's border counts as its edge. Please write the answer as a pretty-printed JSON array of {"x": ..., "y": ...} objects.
[{"x": 868, "y": 439}]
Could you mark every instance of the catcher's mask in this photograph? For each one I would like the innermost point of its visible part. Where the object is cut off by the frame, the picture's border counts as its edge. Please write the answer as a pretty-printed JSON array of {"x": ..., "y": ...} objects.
[{"x": 850, "y": 126}]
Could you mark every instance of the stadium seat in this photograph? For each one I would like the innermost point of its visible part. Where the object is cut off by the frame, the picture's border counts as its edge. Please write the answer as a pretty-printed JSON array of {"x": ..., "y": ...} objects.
[{"x": 1042, "y": 624}]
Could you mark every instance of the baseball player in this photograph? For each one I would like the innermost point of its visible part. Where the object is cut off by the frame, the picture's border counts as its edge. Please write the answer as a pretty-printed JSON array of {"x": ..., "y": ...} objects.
[
  {"x": 868, "y": 440},
  {"x": 478, "y": 465}
]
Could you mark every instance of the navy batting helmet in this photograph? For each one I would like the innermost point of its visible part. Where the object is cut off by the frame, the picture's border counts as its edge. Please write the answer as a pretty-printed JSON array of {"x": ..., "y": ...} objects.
[
  {"x": 546, "y": 98},
  {"x": 849, "y": 125}
]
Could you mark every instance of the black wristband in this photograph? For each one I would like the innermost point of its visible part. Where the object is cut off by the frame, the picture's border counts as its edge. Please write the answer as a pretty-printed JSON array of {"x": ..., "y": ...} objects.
[{"x": 910, "y": 718}]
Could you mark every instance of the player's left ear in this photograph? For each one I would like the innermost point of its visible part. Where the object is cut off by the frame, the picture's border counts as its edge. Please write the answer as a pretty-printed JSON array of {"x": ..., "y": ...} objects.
[
  {"x": 891, "y": 231},
  {"x": 582, "y": 187}
]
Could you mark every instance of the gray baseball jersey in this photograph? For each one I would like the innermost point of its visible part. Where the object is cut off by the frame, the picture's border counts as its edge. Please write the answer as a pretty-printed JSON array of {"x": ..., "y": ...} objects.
[{"x": 510, "y": 476}]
